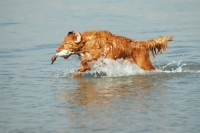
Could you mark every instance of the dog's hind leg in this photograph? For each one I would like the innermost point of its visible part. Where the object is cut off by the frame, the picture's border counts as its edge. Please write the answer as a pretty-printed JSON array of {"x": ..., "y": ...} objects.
[{"x": 142, "y": 59}]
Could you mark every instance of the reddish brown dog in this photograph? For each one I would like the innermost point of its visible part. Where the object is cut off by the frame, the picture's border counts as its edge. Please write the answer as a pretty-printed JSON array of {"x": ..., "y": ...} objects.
[{"x": 91, "y": 45}]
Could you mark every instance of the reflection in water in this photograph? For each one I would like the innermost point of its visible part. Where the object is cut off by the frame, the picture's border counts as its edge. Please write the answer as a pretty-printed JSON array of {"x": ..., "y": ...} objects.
[
  {"x": 112, "y": 103},
  {"x": 107, "y": 91},
  {"x": 99, "y": 102}
]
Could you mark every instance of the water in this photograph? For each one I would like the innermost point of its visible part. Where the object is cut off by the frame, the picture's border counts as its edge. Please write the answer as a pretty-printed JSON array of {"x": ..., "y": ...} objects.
[{"x": 119, "y": 97}]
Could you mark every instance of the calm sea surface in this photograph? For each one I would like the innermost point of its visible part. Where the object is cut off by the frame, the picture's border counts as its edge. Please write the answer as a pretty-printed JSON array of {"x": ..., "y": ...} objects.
[{"x": 36, "y": 97}]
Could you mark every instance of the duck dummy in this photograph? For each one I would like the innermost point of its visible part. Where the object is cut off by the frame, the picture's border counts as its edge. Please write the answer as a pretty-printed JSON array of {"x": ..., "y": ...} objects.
[{"x": 63, "y": 53}]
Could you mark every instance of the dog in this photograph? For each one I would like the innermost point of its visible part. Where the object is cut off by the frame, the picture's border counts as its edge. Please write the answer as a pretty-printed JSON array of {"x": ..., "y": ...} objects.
[{"x": 91, "y": 45}]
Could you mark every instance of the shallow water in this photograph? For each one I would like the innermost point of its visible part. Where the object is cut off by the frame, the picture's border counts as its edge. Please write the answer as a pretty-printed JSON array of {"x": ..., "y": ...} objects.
[{"x": 119, "y": 97}]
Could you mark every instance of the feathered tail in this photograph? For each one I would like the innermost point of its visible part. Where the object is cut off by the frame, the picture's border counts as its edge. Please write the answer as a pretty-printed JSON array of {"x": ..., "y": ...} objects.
[{"x": 157, "y": 45}]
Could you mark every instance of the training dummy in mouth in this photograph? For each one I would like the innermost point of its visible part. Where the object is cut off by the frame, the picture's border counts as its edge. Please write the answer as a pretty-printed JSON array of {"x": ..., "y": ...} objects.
[{"x": 63, "y": 53}]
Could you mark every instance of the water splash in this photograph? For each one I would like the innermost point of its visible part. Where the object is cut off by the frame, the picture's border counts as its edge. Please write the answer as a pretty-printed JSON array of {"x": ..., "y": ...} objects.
[
  {"x": 172, "y": 67},
  {"x": 120, "y": 67},
  {"x": 63, "y": 73},
  {"x": 114, "y": 68}
]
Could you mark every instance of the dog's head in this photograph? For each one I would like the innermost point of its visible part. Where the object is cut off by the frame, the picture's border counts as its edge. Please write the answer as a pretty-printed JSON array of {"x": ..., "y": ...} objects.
[{"x": 71, "y": 42}]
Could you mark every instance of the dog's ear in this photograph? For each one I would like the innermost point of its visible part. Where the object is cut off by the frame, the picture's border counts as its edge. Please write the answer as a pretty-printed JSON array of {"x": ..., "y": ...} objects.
[
  {"x": 70, "y": 33},
  {"x": 77, "y": 38}
]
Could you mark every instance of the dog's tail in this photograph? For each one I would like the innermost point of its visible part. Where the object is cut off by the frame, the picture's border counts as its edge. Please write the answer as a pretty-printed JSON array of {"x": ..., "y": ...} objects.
[{"x": 157, "y": 45}]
